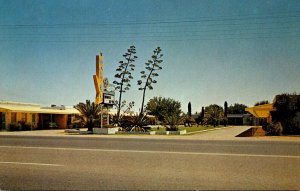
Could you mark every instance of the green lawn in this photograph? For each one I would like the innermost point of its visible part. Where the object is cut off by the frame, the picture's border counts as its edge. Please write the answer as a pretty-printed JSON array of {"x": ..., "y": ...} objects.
[
  {"x": 188, "y": 129},
  {"x": 195, "y": 128}
]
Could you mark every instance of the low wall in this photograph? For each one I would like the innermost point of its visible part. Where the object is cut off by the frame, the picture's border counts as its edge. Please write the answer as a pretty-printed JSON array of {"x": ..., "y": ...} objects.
[
  {"x": 176, "y": 132},
  {"x": 171, "y": 132},
  {"x": 106, "y": 131},
  {"x": 252, "y": 132}
]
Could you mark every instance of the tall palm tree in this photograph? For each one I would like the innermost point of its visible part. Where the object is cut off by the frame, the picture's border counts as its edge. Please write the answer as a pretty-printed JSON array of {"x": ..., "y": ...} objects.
[{"x": 89, "y": 114}]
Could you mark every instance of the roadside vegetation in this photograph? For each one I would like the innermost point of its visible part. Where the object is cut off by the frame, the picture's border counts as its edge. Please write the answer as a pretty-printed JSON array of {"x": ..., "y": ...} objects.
[
  {"x": 90, "y": 115},
  {"x": 162, "y": 111},
  {"x": 285, "y": 117},
  {"x": 191, "y": 129},
  {"x": 168, "y": 113}
]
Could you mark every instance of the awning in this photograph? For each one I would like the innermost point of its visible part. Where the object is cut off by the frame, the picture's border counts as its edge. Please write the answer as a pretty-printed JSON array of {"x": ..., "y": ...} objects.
[{"x": 261, "y": 111}]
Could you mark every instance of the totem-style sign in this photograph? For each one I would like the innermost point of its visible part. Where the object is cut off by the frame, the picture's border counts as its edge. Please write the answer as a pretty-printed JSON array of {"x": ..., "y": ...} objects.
[{"x": 99, "y": 79}]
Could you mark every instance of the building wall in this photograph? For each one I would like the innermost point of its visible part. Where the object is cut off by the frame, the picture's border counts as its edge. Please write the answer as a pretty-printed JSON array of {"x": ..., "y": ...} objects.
[
  {"x": 61, "y": 121},
  {"x": 235, "y": 121},
  {"x": 20, "y": 116}
]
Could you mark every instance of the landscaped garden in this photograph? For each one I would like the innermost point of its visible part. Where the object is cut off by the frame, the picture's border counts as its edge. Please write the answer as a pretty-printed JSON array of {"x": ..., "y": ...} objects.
[{"x": 167, "y": 112}]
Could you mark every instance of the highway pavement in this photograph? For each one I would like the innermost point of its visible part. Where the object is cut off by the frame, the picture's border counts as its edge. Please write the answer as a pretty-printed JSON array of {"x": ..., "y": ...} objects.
[{"x": 89, "y": 163}]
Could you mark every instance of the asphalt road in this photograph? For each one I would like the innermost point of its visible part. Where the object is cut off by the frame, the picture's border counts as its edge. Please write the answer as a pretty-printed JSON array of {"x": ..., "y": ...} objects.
[{"x": 69, "y": 163}]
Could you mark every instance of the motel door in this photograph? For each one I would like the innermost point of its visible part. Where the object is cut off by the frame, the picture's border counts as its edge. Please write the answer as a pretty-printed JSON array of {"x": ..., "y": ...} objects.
[{"x": 2, "y": 120}]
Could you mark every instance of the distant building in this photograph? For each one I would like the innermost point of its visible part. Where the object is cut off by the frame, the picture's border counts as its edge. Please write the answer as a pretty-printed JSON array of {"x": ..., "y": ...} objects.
[
  {"x": 35, "y": 116},
  {"x": 239, "y": 119}
]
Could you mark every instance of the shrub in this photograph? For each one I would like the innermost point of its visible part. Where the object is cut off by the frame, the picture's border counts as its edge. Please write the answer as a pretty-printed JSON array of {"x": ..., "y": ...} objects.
[
  {"x": 14, "y": 127},
  {"x": 188, "y": 121},
  {"x": 24, "y": 126},
  {"x": 274, "y": 128},
  {"x": 172, "y": 122},
  {"x": 134, "y": 123},
  {"x": 52, "y": 125}
]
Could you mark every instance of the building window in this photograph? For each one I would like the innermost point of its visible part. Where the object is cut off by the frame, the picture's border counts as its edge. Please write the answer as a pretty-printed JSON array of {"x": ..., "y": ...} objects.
[
  {"x": 2, "y": 120},
  {"x": 13, "y": 117}
]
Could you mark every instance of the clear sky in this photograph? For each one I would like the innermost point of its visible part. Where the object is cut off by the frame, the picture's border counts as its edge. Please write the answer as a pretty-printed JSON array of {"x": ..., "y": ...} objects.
[{"x": 214, "y": 51}]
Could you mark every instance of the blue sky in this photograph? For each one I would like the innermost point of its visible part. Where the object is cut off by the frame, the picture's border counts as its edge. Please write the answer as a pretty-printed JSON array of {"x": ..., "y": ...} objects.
[{"x": 214, "y": 51}]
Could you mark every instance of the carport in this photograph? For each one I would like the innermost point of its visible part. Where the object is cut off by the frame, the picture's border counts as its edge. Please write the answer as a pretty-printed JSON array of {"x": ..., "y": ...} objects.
[{"x": 262, "y": 111}]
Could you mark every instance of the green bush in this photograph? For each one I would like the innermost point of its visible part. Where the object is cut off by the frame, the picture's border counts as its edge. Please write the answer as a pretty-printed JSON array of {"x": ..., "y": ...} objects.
[
  {"x": 134, "y": 123},
  {"x": 188, "y": 121},
  {"x": 19, "y": 126},
  {"x": 172, "y": 122},
  {"x": 25, "y": 126},
  {"x": 52, "y": 125},
  {"x": 273, "y": 129},
  {"x": 14, "y": 127}
]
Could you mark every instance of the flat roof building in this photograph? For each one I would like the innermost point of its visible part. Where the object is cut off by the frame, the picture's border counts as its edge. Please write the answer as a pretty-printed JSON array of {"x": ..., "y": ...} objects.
[{"x": 35, "y": 116}]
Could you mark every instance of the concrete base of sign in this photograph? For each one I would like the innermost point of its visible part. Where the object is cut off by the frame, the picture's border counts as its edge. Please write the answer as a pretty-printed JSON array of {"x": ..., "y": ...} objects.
[
  {"x": 106, "y": 131},
  {"x": 176, "y": 132}
]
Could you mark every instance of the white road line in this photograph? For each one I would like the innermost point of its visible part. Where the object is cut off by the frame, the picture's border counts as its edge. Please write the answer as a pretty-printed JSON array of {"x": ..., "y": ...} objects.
[
  {"x": 25, "y": 163},
  {"x": 156, "y": 152}
]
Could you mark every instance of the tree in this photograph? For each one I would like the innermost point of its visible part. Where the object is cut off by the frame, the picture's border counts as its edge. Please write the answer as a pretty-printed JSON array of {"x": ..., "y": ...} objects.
[
  {"x": 123, "y": 75},
  {"x": 236, "y": 109},
  {"x": 172, "y": 121},
  {"x": 286, "y": 108},
  {"x": 147, "y": 75},
  {"x": 225, "y": 113},
  {"x": 188, "y": 120},
  {"x": 162, "y": 107},
  {"x": 225, "y": 109},
  {"x": 190, "y": 109},
  {"x": 200, "y": 118},
  {"x": 213, "y": 115},
  {"x": 261, "y": 102},
  {"x": 89, "y": 114}
]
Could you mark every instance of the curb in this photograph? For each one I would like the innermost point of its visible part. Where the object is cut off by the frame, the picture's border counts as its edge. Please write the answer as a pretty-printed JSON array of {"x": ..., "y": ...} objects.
[{"x": 212, "y": 129}]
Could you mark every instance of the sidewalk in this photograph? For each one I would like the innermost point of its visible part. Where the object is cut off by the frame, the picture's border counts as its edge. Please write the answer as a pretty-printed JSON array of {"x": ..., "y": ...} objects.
[{"x": 226, "y": 133}]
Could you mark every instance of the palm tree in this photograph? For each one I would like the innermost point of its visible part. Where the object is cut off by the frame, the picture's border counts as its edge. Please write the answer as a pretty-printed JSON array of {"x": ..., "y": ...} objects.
[
  {"x": 89, "y": 114},
  {"x": 173, "y": 121}
]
